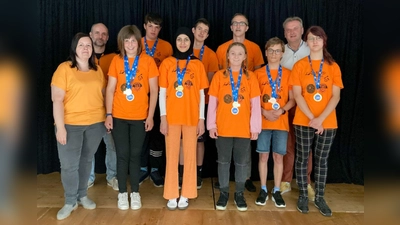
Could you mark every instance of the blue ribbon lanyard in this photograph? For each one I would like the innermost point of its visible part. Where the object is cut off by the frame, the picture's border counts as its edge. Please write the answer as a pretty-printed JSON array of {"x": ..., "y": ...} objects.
[
  {"x": 275, "y": 84},
  {"x": 235, "y": 89},
  {"x": 317, "y": 79},
  {"x": 153, "y": 49},
  {"x": 130, "y": 74},
  {"x": 180, "y": 74}
]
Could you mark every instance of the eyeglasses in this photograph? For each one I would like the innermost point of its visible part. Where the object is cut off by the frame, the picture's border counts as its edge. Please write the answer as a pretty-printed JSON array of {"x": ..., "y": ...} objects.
[
  {"x": 316, "y": 38},
  {"x": 276, "y": 51},
  {"x": 241, "y": 23}
]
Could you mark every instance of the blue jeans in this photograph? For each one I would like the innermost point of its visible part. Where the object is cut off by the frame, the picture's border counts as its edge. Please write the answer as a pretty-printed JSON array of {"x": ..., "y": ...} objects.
[
  {"x": 76, "y": 158},
  {"x": 278, "y": 139},
  {"x": 111, "y": 159}
]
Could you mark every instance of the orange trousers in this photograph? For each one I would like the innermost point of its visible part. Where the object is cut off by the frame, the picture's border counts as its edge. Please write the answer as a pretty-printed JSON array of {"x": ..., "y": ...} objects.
[{"x": 172, "y": 142}]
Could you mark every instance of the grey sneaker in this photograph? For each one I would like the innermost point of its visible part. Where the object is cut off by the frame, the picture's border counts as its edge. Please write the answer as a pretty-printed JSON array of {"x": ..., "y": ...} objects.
[
  {"x": 87, "y": 203},
  {"x": 135, "y": 201},
  {"x": 302, "y": 204},
  {"x": 66, "y": 211},
  {"x": 323, "y": 207},
  {"x": 113, "y": 183}
]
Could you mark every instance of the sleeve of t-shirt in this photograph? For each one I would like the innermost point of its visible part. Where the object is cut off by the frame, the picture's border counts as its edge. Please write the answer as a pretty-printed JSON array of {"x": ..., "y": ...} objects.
[
  {"x": 59, "y": 78},
  {"x": 337, "y": 76},
  {"x": 294, "y": 75},
  {"x": 203, "y": 77},
  {"x": 163, "y": 71},
  {"x": 112, "y": 70},
  {"x": 214, "y": 87}
]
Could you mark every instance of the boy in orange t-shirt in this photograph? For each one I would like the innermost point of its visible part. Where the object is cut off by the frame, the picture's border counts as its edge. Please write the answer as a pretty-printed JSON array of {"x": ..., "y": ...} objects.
[
  {"x": 316, "y": 81},
  {"x": 276, "y": 100}
]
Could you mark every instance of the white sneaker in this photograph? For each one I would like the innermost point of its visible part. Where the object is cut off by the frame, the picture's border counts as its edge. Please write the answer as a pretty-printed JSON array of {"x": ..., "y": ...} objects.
[
  {"x": 113, "y": 183},
  {"x": 135, "y": 201},
  {"x": 87, "y": 203},
  {"x": 172, "y": 204},
  {"x": 90, "y": 184},
  {"x": 66, "y": 211},
  {"x": 123, "y": 202},
  {"x": 183, "y": 203}
]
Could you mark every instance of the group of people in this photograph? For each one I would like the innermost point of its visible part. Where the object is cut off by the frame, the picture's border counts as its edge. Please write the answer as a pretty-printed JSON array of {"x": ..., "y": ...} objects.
[{"x": 152, "y": 97}]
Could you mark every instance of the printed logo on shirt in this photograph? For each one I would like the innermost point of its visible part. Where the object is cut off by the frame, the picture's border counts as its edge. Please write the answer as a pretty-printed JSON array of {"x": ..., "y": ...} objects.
[
  {"x": 137, "y": 86},
  {"x": 188, "y": 84},
  {"x": 323, "y": 87}
]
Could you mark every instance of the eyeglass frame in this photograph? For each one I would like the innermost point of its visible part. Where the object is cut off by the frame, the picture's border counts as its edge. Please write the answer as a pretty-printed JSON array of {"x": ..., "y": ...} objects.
[
  {"x": 241, "y": 23},
  {"x": 272, "y": 51}
]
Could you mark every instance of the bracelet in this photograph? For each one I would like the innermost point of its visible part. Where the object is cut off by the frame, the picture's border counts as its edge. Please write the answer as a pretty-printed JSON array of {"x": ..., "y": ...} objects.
[{"x": 108, "y": 114}]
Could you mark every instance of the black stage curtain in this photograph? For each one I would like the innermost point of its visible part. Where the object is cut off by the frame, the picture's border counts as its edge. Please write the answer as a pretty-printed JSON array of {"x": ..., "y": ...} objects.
[{"x": 341, "y": 19}]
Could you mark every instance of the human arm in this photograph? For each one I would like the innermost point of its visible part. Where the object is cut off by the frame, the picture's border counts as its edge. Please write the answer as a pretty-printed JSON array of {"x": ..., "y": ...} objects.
[
  {"x": 57, "y": 96},
  {"x": 255, "y": 117},
  {"x": 110, "y": 90},
  {"x": 153, "y": 82},
  {"x": 163, "y": 111},
  {"x": 212, "y": 117}
]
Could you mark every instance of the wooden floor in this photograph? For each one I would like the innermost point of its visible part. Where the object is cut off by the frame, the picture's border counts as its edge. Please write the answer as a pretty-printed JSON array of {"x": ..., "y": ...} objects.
[{"x": 345, "y": 200}]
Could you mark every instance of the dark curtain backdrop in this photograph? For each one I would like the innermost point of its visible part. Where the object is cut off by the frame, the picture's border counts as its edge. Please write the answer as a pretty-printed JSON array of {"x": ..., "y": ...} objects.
[{"x": 341, "y": 19}]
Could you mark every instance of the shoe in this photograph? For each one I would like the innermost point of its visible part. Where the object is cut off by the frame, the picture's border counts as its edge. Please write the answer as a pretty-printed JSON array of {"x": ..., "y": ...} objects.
[
  {"x": 90, "y": 184},
  {"x": 144, "y": 175},
  {"x": 113, "y": 183},
  {"x": 66, "y": 211},
  {"x": 262, "y": 198},
  {"x": 199, "y": 182},
  {"x": 183, "y": 203},
  {"x": 302, "y": 204},
  {"x": 157, "y": 179},
  {"x": 172, "y": 204},
  {"x": 180, "y": 183},
  {"x": 87, "y": 203},
  {"x": 250, "y": 186},
  {"x": 135, "y": 201},
  {"x": 311, "y": 192},
  {"x": 277, "y": 198},
  {"x": 240, "y": 201},
  {"x": 323, "y": 207},
  {"x": 222, "y": 201},
  {"x": 285, "y": 187},
  {"x": 216, "y": 185},
  {"x": 123, "y": 203}
]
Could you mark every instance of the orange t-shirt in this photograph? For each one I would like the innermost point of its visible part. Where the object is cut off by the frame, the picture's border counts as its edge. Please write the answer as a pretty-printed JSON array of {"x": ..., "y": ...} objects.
[
  {"x": 302, "y": 76},
  {"x": 254, "y": 54},
  {"x": 210, "y": 63},
  {"x": 185, "y": 110},
  {"x": 137, "y": 109},
  {"x": 163, "y": 50},
  {"x": 83, "y": 101},
  {"x": 104, "y": 62},
  {"x": 282, "y": 96},
  {"x": 230, "y": 125}
]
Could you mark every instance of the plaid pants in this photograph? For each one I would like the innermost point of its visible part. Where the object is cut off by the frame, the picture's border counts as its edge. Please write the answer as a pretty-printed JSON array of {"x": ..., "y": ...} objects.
[{"x": 305, "y": 138}]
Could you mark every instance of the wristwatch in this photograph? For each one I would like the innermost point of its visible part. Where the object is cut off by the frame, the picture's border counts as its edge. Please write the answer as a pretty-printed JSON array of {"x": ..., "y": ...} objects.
[{"x": 284, "y": 111}]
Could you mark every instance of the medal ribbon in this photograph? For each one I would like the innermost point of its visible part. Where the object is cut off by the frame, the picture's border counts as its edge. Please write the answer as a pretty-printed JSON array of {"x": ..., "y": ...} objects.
[
  {"x": 153, "y": 49},
  {"x": 180, "y": 74},
  {"x": 317, "y": 79},
  {"x": 130, "y": 74},
  {"x": 276, "y": 84},
  {"x": 235, "y": 90}
]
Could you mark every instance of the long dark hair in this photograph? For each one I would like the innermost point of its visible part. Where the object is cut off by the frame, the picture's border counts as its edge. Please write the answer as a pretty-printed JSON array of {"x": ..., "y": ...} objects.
[
  {"x": 72, "y": 51},
  {"x": 318, "y": 31}
]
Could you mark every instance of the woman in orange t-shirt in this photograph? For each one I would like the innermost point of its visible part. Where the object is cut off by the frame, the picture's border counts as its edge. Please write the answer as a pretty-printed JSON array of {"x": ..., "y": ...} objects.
[
  {"x": 233, "y": 119},
  {"x": 276, "y": 100},
  {"x": 182, "y": 83},
  {"x": 316, "y": 81},
  {"x": 130, "y": 109},
  {"x": 77, "y": 89}
]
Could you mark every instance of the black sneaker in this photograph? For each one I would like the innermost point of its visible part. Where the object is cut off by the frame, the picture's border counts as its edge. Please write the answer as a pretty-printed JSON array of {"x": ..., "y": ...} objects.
[
  {"x": 157, "y": 179},
  {"x": 180, "y": 182},
  {"x": 250, "y": 186},
  {"x": 216, "y": 185},
  {"x": 323, "y": 207},
  {"x": 222, "y": 201},
  {"x": 302, "y": 204},
  {"x": 277, "y": 198},
  {"x": 262, "y": 198},
  {"x": 199, "y": 182},
  {"x": 240, "y": 201},
  {"x": 144, "y": 175}
]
